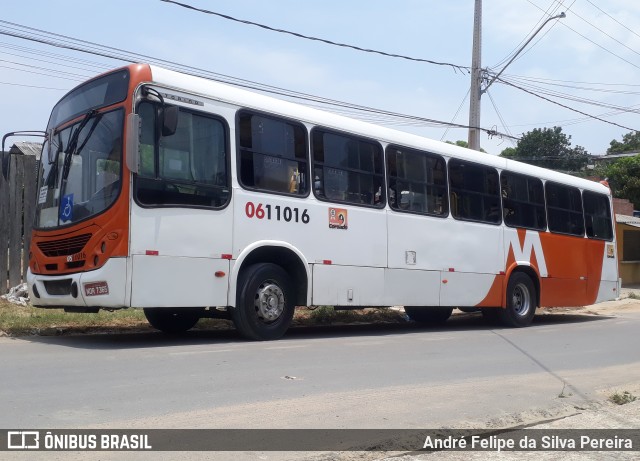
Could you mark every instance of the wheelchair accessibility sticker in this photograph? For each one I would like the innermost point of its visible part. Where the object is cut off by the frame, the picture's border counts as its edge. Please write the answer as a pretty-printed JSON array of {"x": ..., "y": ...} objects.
[{"x": 66, "y": 208}]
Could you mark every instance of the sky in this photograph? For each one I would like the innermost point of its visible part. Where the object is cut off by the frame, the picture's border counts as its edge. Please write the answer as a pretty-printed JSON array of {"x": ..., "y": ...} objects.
[{"x": 592, "y": 55}]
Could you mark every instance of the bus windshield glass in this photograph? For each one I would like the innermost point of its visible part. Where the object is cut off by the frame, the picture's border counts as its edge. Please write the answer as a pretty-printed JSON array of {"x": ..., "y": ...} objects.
[
  {"x": 101, "y": 92},
  {"x": 82, "y": 178}
]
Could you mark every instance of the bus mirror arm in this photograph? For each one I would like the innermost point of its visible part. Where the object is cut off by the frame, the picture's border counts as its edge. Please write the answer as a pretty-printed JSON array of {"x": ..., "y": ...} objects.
[
  {"x": 133, "y": 142},
  {"x": 169, "y": 116},
  {"x": 5, "y": 157}
]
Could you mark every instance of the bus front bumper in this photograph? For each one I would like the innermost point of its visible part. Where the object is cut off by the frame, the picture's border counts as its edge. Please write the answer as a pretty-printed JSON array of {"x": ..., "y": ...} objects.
[{"x": 105, "y": 287}]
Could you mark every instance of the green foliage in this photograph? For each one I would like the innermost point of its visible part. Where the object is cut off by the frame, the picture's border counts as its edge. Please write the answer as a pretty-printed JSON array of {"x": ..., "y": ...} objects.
[
  {"x": 622, "y": 398},
  {"x": 464, "y": 144},
  {"x": 25, "y": 320},
  {"x": 548, "y": 148},
  {"x": 624, "y": 179},
  {"x": 509, "y": 152},
  {"x": 630, "y": 143}
]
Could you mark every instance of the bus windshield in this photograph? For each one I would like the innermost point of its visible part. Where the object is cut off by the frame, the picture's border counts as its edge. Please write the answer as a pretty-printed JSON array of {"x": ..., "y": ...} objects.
[
  {"x": 82, "y": 163},
  {"x": 82, "y": 177}
]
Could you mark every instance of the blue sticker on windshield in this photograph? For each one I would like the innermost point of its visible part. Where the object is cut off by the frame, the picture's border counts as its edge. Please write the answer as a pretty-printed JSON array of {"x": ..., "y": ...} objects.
[{"x": 66, "y": 208}]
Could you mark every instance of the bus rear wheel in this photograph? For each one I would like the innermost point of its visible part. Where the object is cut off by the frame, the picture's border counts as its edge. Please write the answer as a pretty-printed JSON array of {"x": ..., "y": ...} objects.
[
  {"x": 428, "y": 314},
  {"x": 171, "y": 321},
  {"x": 265, "y": 303},
  {"x": 521, "y": 301}
]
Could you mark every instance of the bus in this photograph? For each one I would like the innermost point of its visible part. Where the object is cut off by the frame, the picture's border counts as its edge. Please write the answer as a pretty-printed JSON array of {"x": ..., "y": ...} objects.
[{"x": 189, "y": 198}]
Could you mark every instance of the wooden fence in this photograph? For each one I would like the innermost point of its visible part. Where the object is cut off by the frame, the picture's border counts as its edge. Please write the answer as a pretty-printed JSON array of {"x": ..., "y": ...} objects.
[{"x": 17, "y": 208}]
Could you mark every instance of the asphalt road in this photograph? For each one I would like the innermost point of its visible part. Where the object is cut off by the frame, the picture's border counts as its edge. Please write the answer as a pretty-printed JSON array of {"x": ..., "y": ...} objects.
[{"x": 462, "y": 374}]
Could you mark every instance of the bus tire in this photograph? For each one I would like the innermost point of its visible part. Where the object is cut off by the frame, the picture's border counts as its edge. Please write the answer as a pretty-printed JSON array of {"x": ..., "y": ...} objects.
[
  {"x": 265, "y": 302},
  {"x": 521, "y": 302},
  {"x": 171, "y": 321},
  {"x": 428, "y": 314}
]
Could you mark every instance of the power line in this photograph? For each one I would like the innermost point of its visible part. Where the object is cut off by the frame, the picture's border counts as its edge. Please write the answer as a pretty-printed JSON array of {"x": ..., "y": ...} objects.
[
  {"x": 542, "y": 79},
  {"x": 546, "y": 14},
  {"x": 495, "y": 107},
  {"x": 42, "y": 73},
  {"x": 611, "y": 17},
  {"x": 565, "y": 84},
  {"x": 67, "y": 66},
  {"x": 63, "y": 41},
  {"x": 606, "y": 33},
  {"x": 565, "y": 106},
  {"x": 34, "y": 86},
  {"x": 455, "y": 116},
  {"x": 591, "y": 41},
  {"x": 574, "y": 98},
  {"x": 544, "y": 34},
  {"x": 323, "y": 40},
  {"x": 70, "y": 74}
]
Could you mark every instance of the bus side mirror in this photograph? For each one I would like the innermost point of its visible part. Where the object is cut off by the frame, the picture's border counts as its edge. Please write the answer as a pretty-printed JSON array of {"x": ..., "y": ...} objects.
[
  {"x": 169, "y": 120},
  {"x": 133, "y": 142}
]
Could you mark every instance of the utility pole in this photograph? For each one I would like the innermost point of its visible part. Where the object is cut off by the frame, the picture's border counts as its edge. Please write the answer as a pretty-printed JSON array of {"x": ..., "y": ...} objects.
[
  {"x": 476, "y": 72},
  {"x": 476, "y": 79}
]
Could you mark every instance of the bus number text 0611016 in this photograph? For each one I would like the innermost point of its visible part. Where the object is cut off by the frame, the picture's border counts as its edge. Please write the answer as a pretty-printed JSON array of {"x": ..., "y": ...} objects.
[{"x": 277, "y": 213}]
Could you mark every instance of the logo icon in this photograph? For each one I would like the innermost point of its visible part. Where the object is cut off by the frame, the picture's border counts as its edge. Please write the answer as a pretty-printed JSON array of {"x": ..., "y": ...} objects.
[{"x": 23, "y": 440}]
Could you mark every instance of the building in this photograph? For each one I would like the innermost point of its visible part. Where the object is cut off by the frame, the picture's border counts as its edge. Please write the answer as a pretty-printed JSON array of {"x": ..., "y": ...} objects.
[{"x": 628, "y": 236}]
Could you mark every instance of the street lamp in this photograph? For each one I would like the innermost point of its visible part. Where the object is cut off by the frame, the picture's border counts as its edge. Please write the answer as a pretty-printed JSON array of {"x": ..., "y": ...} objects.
[
  {"x": 559, "y": 16},
  {"x": 476, "y": 74}
]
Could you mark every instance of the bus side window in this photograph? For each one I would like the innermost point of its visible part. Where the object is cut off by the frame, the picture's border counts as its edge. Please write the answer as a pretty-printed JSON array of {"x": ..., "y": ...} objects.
[
  {"x": 564, "y": 209},
  {"x": 597, "y": 216},
  {"x": 273, "y": 154},
  {"x": 477, "y": 193},
  {"x": 522, "y": 201},
  {"x": 418, "y": 181},
  {"x": 347, "y": 169}
]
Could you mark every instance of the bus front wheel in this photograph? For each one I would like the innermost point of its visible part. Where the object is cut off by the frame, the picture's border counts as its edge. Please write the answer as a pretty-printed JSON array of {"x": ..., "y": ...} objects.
[
  {"x": 265, "y": 303},
  {"x": 171, "y": 321},
  {"x": 521, "y": 301}
]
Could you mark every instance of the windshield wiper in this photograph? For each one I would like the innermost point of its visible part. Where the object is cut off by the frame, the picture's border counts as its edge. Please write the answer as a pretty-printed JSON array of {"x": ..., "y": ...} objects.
[
  {"x": 52, "y": 177},
  {"x": 72, "y": 148}
]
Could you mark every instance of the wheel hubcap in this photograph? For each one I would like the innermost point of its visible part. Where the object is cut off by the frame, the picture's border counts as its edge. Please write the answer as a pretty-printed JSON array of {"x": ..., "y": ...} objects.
[
  {"x": 521, "y": 300},
  {"x": 269, "y": 302}
]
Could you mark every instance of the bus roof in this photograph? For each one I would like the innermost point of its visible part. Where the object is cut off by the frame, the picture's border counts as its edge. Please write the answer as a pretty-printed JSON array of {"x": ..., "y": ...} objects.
[{"x": 226, "y": 93}]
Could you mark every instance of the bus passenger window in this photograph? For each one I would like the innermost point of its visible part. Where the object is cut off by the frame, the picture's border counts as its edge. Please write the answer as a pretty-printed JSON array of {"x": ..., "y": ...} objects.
[
  {"x": 597, "y": 216},
  {"x": 273, "y": 154},
  {"x": 417, "y": 181},
  {"x": 564, "y": 209},
  {"x": 347, "y": 169},
  {"x": 474, "y": 189},
  {"x": 523, "y": 201}
]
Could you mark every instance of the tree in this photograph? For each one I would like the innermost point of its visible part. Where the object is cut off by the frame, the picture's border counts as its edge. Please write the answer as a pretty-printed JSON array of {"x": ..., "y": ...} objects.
[
  {"x": 548, "y": 148},
  {"x": 462, "y": 144},
  {"x": 624, "y": 179},
  {"x": 630, "y": 143}
]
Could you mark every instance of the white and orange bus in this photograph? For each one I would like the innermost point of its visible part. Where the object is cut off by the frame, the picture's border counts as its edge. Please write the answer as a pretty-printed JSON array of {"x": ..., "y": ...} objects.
[{"x": 189, "y": 198}]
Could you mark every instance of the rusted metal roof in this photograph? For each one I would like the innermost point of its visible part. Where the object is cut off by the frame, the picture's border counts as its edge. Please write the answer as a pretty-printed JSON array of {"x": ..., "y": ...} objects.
[{"x": 27, "y": 148}]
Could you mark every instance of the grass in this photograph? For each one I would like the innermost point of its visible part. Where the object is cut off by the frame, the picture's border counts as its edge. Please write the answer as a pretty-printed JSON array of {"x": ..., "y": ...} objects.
[
  {"x": 622, "y": 398},
  {"x": 633, "y": 295},
  {"x": 20, "y": 320},
  {"x": 27, "y": 320}
]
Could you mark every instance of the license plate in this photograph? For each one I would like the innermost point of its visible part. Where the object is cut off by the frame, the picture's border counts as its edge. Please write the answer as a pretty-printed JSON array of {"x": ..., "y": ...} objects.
[{"x": 96, "y": 289}]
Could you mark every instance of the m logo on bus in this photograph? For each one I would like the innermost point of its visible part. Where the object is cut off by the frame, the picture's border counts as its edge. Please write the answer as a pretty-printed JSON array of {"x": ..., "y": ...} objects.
[{"x": 530, "y": 245}]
